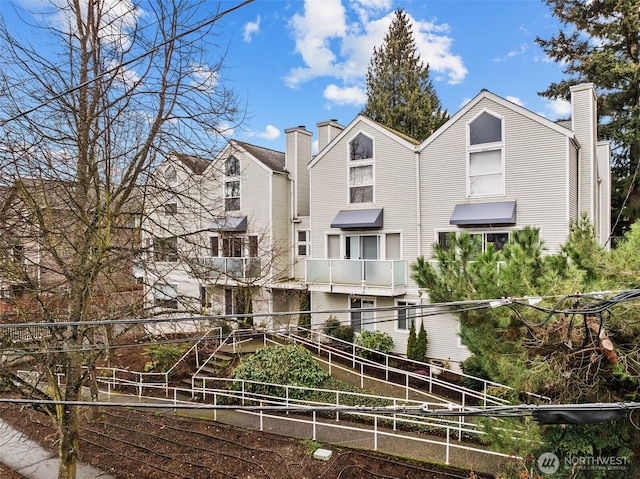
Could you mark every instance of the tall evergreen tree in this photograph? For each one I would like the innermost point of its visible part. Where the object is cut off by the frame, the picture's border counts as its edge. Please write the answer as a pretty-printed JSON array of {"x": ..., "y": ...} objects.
[
  {"x": 601, "y": 44},
  {"x": 400, "y": 93}
]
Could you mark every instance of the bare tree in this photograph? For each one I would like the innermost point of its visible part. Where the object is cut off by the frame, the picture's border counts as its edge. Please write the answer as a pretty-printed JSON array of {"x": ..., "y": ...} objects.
[{"x": 83, "y": 122}]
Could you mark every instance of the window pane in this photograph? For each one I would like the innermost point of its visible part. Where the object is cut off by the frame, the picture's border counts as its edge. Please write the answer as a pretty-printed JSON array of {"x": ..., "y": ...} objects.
[
  {"x": 486, "y": 185},
  {"x": 361, "y": 147},
  {"x": 485, "y": 173},
  {"x": 485, "y": 129},
  {"x": 253, "y": 246},
  {"x": 214, "y": 246},
  {"x": 361, "y": 194},
  {"x": 485, "y": 162},
  {"x": 393, "y": 246},
  {"x": 369, "y": 247},
  {"x": 361, "y": 175},
  {"x": 333, "y": 246},
  {"x": 232, "y": 167},
  {"x": 498, "y": 240},
  {"x": 232, "y": 189}
]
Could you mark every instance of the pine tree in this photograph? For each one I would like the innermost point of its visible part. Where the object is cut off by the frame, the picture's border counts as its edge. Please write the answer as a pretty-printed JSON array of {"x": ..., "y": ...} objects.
[
  {"x": 411, "y": 342},
  {"x": 400, "y": 94},
  {"x": 601, "y": 44},
  {"x": 421, "y": 344}
]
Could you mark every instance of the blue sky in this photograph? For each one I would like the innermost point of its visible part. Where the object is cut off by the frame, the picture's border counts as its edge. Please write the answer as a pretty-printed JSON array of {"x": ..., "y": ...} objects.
[{"x": 300, "y": 62}]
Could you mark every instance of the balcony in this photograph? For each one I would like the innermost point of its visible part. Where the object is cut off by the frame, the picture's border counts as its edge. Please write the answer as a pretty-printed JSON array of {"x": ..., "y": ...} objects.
[
  {"x": 348, "y": 276},
  {"x": 233, "y": 268}
]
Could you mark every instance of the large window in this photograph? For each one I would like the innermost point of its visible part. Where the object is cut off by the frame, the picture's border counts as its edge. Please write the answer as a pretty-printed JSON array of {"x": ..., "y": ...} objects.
[
  {"x": 361, "y": 169},
  {"x": 486, "y": 156},
  {"x": 166, "y": 296},
  {"x": 232, "y": 184},
  {"x": 480, "y": 240},
  {"x": 165, "y": 249},
  {"x": 234, "y": 246}
]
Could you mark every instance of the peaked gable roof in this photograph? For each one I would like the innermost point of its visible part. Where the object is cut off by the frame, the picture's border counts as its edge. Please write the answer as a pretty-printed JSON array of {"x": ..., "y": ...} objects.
[
  {"x": 401, "y": 138},
  {"x": 196, "y": 164},
  {"x": 272, "y": 159},
  {"x": 486, "y": 94}
]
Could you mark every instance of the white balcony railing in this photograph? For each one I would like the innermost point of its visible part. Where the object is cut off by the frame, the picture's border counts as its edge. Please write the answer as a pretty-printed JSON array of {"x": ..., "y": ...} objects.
[
  {"x": 236, "y": 268},
  {"x": 382, "y": 277}
]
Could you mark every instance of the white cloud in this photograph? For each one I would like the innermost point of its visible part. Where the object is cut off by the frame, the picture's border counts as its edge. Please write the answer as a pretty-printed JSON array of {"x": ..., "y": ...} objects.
[
  {"x": 269, "y": 133},
  {"x": 353, "y": 96},
  {"x": 513, "y": 53},
  {"x": 203, "y": 77},
  {"x": 515, "y": 99},
  {"x": 250, "y": 29},
  {"x": 336, "y": 45},
  {"x": 560, "y": 108}
]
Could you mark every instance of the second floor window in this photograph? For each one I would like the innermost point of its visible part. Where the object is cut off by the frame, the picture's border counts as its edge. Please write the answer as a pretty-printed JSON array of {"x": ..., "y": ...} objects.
[
  {"x": 232, "y": 184},
  {"x": 361, "y": 169},
  {"x": 234, "y": 246},
  {"x": 165, "y": 249},
  {"x": 486, "y": 165},
  {"x": 232, "y": 195},
  {"x": 170, "y": 209},
  {"x": 303, "y": 243}
]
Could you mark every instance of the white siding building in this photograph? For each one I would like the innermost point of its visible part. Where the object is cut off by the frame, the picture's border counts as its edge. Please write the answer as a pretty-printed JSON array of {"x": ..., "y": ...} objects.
[{"x": 378, "y": 200}]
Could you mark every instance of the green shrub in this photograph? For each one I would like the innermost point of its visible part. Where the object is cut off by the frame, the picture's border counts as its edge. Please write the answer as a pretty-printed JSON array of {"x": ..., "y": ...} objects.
[
  {"x": 330, "y": 325},
  {"x": 333, "y": 328},
  {"x": 376, "y": 340},
  {"x": 286, "y": 365},
  {"x": 345, "y": 333},
  {"x": 163, "y": 356}
]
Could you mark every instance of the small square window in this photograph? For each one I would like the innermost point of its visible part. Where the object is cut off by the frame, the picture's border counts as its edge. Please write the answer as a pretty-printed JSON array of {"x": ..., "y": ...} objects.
[{"x": 170, "y": 209}]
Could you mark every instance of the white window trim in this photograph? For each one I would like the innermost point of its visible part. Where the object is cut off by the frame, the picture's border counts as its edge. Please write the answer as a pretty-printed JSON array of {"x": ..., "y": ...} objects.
[
  {"x": 306, "y": 243},
  {"x": 363, "y": 162},
  {"x": 498, "y": 145},
  {"x": 415, "y": 319},
  {"x": 363, "y": 298}
]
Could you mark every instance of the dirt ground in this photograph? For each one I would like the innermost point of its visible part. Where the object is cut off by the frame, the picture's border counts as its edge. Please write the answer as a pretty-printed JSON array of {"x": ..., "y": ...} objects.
[{"x": 131, "y": 444}]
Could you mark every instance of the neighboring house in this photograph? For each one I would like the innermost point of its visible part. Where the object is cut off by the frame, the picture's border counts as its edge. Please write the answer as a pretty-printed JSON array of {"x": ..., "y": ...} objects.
[
  {"x": 42, "y": 232},
  {"x": 378, "y": 200},
  {"x": 226, "y": 236}
]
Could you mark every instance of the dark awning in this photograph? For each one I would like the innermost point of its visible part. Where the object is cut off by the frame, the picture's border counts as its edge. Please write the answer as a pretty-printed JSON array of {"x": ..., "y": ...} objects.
[
  {"x": 356, "y": 219},
  {"x": 229, "y": 224},
  {"x": 498, "y": 213}
]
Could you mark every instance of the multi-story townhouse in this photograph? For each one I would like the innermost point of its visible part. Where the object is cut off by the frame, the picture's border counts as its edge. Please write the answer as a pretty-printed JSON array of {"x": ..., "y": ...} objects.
[
  {"x": 225, "y": 236},
  {"x": 378, "y": 200}
]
